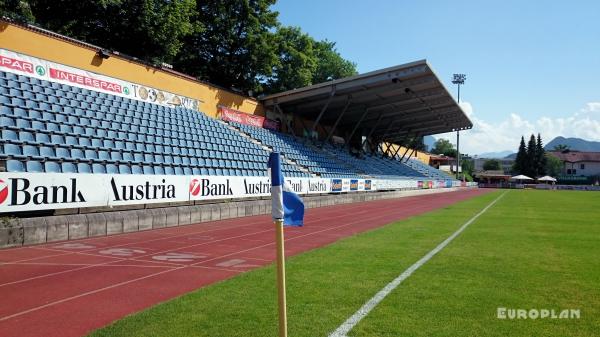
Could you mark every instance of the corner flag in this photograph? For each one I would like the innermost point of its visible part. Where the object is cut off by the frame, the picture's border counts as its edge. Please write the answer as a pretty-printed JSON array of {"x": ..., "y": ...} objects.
[{"x": 286, "y": 204}]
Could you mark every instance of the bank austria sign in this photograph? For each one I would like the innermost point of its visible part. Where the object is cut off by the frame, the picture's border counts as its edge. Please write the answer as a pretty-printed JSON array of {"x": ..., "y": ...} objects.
[{"x": 43, "y": 191}]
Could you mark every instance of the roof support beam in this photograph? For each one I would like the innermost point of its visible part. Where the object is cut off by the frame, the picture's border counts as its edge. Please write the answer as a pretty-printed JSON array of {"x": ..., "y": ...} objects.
[
  {"x": 285, "y": 120},
  {"x": 337, "y": 121},
  {"x": 409, "y": 156},
  {"x": 410, "y": 145},
  {"x": 356, "y": 126},
  {"x": 323, "y": 109}
]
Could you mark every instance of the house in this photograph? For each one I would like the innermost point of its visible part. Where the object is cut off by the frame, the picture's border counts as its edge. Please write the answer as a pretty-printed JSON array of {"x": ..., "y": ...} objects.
[{"x": 576, "y": 163}]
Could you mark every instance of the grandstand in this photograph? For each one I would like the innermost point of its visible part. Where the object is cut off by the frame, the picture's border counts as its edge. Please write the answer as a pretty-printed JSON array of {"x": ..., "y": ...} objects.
[
  {"x": 89, "y": 130},
  {"x": 57, "y": 128}
]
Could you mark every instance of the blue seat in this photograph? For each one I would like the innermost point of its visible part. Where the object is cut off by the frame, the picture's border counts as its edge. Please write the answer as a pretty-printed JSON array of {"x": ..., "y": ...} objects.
[
  {"x": 169, "y": 170},
  {"x": 13, "y": 150},
  {"x": 112, "y": 169},
  {"x": 124, "y": 169},
  {"x": 136, "y": 169},
  {"x": 7, "y": 122},
  {"x": 98, "y": 168},
  {"x": 31, "y": 151},
  {"x": 14, "y": 166},
  {"x": 34, "y": 166},
  {"x": 10, "y": 135},
  {"x": 68, "y": 167},
  {"x": 84, "y": 168},
  {"x": 159, "y": 170},
  {"x": 147, "y": 169},
  {"x": 52, "y": 167},
  {"x": 77, "y": 154}
]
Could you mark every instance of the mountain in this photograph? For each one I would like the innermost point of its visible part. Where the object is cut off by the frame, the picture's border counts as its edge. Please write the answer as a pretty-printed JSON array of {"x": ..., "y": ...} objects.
[
  {"x": 429, "y": 142},
  {"x": 576, "y": 144},
  {"x": 495, "y": 155}
]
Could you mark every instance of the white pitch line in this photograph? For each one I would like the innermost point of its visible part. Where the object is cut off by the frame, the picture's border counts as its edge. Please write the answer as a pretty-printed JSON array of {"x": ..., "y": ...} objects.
[{"x": 351, "y": 322}]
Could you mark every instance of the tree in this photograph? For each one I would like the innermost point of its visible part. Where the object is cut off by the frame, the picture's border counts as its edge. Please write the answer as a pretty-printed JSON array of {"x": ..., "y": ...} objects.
[
  {"x": 152, "y": 30},
  {"x": 17, "y": 10},
  {"x": 540, "y": 157},
  {"x": 302, "y": 61},
  {"x": 492, "y": 165},
  {"x": 531, "y": 168},
  {"x": 520, "y": 165},
  {"x": 296, "y": 61},
  {"x": 467, "y": 165},
  {"x": 418, "y": 144},
  {"x": 553, "y": 165},
  {"x": 330, "y": 64},
  {"x": 561, "y": 147},
  {"x": 443, "y": 146},
  {"x": 237, "y": 48}
]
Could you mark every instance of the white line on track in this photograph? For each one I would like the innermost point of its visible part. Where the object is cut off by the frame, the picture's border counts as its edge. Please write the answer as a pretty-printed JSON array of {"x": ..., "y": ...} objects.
[
  {"x": 181, "y": 267},
  {"x": 351, "y": 322}
]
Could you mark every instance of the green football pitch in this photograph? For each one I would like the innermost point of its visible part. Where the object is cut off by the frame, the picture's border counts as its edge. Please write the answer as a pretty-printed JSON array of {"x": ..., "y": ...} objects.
[{"x": 537, "y": 251}]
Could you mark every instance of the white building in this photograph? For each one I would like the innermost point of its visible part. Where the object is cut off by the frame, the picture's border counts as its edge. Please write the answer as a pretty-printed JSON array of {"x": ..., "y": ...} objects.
[{"x": 577, "y": 163}]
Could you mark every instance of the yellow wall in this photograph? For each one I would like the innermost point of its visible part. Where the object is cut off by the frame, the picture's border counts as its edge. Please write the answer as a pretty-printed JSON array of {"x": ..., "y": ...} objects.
[
  {"x": 29, "y": 42},
  {"x": 422, "y": 156}
]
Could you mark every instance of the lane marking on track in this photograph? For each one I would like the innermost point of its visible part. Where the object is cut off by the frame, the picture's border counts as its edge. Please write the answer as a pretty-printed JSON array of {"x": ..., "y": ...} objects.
[
  {"x": 351, "y": 322},
  {"x": 195, "y": 265}
]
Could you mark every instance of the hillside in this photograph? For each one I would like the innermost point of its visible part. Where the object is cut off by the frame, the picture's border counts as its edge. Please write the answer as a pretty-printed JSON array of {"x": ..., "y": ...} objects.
[{"x": 576, "y": 144}]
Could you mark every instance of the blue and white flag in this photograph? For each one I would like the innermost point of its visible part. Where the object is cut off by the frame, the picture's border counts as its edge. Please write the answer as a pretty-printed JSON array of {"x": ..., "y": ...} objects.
[{"x": 286, "y": 204}]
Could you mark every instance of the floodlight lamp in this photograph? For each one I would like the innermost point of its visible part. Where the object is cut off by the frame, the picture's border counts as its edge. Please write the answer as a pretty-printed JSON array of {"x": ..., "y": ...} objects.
[{"x": 459, "y": 78}]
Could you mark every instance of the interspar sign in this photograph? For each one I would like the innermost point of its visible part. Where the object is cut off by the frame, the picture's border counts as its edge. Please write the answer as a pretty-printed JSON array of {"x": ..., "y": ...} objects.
[
  {"x": 31, "y": 66},
  {"x": 39, "y": 191}
]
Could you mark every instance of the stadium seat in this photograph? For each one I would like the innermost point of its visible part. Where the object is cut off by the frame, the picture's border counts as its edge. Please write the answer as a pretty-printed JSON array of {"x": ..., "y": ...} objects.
[
  {"x": 52, "y": 167},
  {"x": 14, "y": 166}
]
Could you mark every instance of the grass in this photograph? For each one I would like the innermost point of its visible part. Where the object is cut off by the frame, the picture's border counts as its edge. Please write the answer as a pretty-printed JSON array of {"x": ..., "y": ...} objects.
[{"x": 533, "y": 249}]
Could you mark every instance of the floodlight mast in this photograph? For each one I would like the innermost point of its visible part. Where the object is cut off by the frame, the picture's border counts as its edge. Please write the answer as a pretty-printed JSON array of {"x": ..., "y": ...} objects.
[{"x": 458, "y": 79}]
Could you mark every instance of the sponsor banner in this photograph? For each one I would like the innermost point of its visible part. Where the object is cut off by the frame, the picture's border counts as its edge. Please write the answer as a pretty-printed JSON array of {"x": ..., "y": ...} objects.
[
  {"x": 146, "y": 189},
  {"x": 31, "y": 66},
  {"x": 228, "y": 114},
  {"x": 38, "y": 191}
]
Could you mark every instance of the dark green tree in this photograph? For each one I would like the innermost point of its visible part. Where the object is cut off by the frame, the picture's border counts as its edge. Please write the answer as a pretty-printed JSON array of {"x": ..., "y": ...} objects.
[
  {"x": 521, "y": 162},
  {"x": 561, "y": 147},
  {"x": 18, "y": 10},
  {"x": 418, "y": 144},
  {"x": 237, "y": 47},
  {"x": 492, "y": 165},
  {"x": 330, "y": 64},
  {"x": 553, "y": 165},
  {"x": 540, "y": 157},
  {"x": 152, "y": 30},
  {"x": 531, "y": 168},
  {"x": 443, "y": 146},
  {"x": 296, "y": 61},
  {"x": 467, "y": 164}
]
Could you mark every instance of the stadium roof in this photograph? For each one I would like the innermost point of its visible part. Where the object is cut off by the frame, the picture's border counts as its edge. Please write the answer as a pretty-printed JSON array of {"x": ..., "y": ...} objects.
[{"x": 389, "y": 104}]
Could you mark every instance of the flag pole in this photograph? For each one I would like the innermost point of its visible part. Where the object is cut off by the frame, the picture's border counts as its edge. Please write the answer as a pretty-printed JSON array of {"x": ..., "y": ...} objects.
[{"x": 281, "y": 278}]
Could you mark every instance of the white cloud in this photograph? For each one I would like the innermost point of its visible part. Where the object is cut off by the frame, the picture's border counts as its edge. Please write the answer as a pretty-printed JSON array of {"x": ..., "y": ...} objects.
[{"x": 505, "y": 135}]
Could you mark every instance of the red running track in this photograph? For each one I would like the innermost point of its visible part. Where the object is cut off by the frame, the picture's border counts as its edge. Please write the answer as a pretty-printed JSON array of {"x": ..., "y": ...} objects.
[{"x": 71, "y": 288}]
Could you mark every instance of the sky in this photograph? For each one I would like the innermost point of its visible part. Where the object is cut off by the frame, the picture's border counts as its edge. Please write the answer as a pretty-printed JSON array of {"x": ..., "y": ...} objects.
[{"x": 531, "y": 66}]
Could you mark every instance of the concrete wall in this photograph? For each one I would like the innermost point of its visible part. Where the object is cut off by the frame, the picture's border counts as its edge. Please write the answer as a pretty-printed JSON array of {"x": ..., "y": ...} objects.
[{"x": 28, "y": 231}]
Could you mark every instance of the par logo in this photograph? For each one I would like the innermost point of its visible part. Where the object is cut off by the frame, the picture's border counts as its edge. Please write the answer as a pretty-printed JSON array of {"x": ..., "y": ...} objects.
[
  {"x": 3, "y": 191},
  {"x": 195, "y": 187}
]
